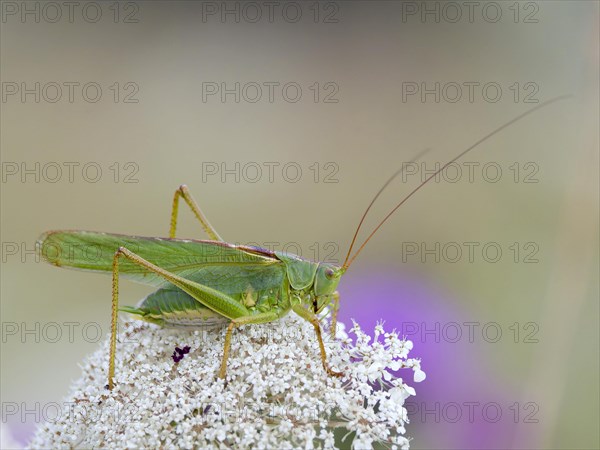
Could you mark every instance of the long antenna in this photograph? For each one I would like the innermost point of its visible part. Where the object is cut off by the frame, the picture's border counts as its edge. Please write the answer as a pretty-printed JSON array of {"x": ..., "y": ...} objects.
[
  {"x": 486, "y": 137},
  {"x": 362, "y": 219}
]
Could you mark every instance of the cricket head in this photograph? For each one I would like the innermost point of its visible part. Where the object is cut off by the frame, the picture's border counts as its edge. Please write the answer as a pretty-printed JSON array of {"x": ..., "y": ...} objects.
[{"x": 327, "y": 278}]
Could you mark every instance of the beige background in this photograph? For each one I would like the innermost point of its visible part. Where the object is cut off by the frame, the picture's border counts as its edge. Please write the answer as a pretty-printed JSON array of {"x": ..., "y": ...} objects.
[{"x": 367, "y": 134}]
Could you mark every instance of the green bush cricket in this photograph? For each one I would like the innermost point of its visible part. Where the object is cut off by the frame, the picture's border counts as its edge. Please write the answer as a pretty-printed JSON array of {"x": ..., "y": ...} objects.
[{"x": 212, "y": 282}]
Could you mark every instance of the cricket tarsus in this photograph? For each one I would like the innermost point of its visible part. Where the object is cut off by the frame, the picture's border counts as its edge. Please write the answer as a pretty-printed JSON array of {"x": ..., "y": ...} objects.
[{"x": 348, "y": 262}]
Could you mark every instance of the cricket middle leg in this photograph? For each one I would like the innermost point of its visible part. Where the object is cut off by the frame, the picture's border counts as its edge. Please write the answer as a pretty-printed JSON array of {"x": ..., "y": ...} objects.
[{"x": 258, "y": 318}]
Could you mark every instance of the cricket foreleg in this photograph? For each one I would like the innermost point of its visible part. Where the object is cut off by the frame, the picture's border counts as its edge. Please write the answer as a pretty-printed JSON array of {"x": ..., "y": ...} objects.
[
  {"x": 312, "y": 318},
  {"x": 184, "y": 192},
  {"x": 258, "y": 318}
]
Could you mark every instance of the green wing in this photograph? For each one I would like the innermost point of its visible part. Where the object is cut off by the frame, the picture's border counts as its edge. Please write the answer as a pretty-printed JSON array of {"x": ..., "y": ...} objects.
[{"x": 221, "y": 266}]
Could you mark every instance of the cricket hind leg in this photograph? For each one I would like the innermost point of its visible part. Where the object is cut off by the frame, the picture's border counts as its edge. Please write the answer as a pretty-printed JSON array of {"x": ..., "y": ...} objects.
[
  {"x": 184, "y": 192},
  {"x": 219, "y": 302},
  {"x": 312, "y": 318}
]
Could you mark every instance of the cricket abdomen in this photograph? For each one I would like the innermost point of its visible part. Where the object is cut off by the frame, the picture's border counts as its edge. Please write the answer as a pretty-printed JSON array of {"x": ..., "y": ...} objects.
[{"x": 174, "y": 308}]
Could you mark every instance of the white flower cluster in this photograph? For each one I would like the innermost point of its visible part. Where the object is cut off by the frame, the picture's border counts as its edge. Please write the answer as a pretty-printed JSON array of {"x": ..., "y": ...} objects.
[{"x": 277, "y": 394}]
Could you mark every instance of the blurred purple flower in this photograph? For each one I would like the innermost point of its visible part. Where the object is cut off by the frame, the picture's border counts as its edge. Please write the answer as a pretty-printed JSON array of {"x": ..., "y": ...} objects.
[{"x": 457, "y": 406}]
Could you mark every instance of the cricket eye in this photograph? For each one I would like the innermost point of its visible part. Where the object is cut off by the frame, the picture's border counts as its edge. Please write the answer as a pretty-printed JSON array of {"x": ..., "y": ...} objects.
[{"x": 329, "y": 273}]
